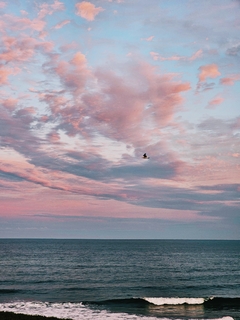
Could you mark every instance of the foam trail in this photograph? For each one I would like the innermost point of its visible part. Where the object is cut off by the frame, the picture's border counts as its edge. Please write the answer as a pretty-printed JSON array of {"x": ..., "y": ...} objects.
[
  {"x": 174, "y": 301},
  {"x": 74, "y": 311}
]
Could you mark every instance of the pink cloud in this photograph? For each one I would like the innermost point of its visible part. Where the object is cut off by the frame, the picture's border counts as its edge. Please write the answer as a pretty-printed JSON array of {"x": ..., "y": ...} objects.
[
  {"x": 45, "y": 46},
  {"x": 44, "y": 118},
  {"x": 208, "y": 71},
  {"x": 236, "y": 155},
  {"x": 73, "y": 74},
  {"x": 15, "y": 130},
  {"x": 87, "y": 10},
  {"x": 227, "y": 81},
  {"x": 28, "y": 173},
  {"x": 148, "y": 39},
  {"x": 2, "y": 26},
  {"x": 156, "y": 56},
  {"x": 55, "y": 102},
  {"x": 26, "y": 111},
  {"x": 230, "y": 80},
  {"x": 57, "y": 180},
  {"x": 216, "y": 170},
  {"x": 138, "y": 103},
  {"x": 119, "y": 109},
  {"x": 49, "y": 9},
  {"x": 69, "y": 46},
  {"x": 6, "y": 72},
  {"x": 214, "y": 102},
  {"x": 16, "y": 50},
  {"x": 61, "y": 24},
  {"x": 10, "y": 103},
  {"x": 196, "y": 55},
  {"x": 79, "y": 60},
  {"x": 54, "y": 137},
  {"x": 2, "y": 4},
  {"x": 24, "y": 13},
  {"x": 22, "y": 23},
  {"x": 21, "y": 49},
  {"x": 236, "y": 124},
  {"x": 35, "y": 24}
]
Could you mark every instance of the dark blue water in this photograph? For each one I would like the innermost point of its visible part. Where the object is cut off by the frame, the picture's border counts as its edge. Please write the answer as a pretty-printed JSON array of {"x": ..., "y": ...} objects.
[{"x": 116, "y": 278}]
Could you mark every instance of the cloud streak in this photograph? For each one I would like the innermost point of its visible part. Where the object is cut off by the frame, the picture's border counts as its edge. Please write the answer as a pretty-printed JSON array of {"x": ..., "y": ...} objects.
[{"x": 196, "y": 55}]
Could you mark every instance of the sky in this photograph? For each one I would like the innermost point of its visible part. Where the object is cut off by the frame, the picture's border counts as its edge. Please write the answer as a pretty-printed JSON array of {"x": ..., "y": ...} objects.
[{"x": 88, "y": 87}]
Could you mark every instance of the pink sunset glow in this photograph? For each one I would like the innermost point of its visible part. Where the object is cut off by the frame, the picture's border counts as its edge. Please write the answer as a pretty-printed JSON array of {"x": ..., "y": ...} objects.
[{"x": 88, "y": 87}]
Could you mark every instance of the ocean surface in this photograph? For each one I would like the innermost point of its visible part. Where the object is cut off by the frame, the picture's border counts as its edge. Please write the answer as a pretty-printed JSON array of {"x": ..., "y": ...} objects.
[{"x": 121, "y": 279}]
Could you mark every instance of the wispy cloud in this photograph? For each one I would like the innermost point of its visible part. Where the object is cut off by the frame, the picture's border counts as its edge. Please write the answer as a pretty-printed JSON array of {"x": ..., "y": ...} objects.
[
  {"x": 215, "y": 102},
  {"x": 156, "y": 56},
  {"x": 148, "y": 39},
  {"x": 230, "y": 80},
  {"x": 48, "y": 9},
  {"x": 61, "y": 24}
]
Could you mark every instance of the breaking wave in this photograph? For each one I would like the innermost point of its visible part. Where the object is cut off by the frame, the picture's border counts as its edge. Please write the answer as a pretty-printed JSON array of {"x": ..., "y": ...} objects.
[
  {"x": 174, "y": 301},
  {"x": 118, "y": 308}
]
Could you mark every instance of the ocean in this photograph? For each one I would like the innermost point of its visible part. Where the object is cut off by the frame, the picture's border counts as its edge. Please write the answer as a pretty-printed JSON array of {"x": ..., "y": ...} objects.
[{"x": 121, "y": 279}]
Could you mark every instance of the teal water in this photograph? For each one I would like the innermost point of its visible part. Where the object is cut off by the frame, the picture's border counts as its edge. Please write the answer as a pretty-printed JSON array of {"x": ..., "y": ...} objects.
[{"x": 119, "y": 277}]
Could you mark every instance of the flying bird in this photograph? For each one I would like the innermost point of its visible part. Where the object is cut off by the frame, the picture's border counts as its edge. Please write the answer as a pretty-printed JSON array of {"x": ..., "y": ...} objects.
[{"x": 145, "y": 156}]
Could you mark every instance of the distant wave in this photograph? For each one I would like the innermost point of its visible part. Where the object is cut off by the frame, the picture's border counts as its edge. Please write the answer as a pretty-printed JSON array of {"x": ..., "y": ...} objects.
[
  {"x": 215, "y": 302},
  {"x": 7, "y": 291},
  {"x": 174, "y": 301}
]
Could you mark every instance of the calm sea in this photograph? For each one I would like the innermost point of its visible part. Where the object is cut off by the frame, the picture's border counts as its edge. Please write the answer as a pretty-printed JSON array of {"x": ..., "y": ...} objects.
[{"x": 121, "y": 279}]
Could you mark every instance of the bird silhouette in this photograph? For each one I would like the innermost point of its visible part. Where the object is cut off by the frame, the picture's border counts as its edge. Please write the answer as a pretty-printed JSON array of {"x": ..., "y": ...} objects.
[{"x": 145, "y": 156}]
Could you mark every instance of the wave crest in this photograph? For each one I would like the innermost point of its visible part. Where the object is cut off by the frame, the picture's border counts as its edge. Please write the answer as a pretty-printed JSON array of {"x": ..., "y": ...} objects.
[{"x": 174, "y": 301}]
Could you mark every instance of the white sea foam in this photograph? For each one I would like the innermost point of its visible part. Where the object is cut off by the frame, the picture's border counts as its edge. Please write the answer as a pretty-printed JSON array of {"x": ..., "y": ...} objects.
[
  {"x": 74, "y": 311},
  {"x": 174, "y": 301}
]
